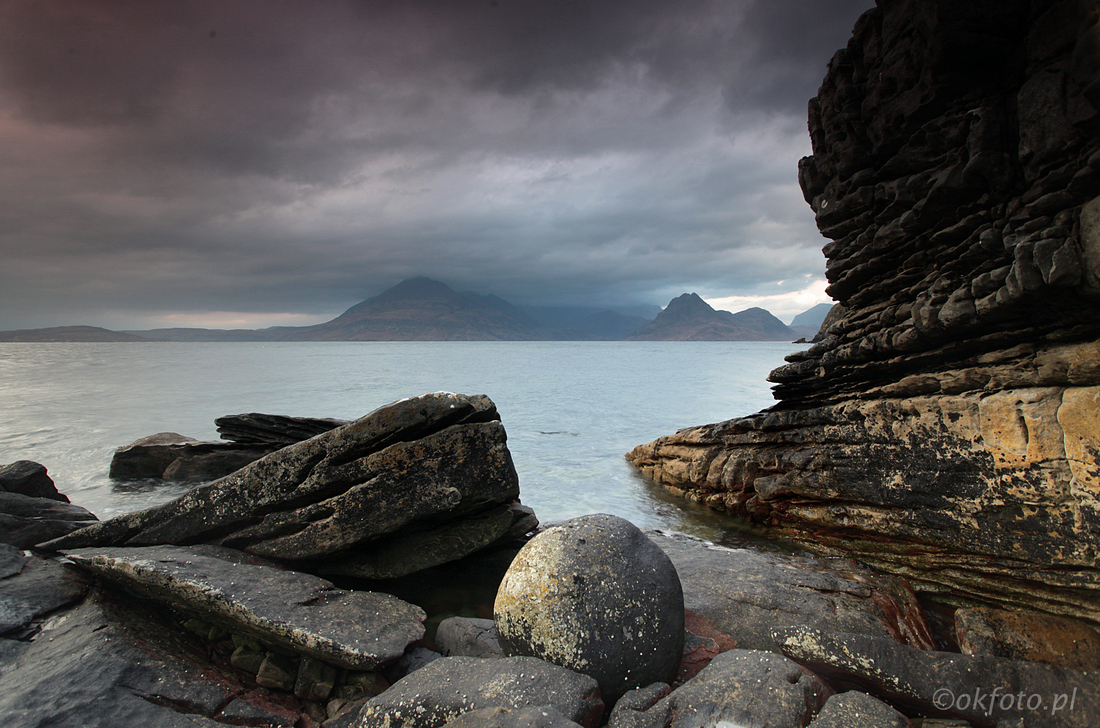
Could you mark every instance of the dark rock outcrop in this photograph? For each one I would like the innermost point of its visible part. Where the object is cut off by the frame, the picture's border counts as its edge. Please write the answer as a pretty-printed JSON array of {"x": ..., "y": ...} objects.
[
  {"x": 172, "y": 456},
  {"x": 1028, "y": 636},
  {"x": 255, "y": 428},
  {"x": 26, "y": 521},
  {"x": 446, "y": 688},
  {"x": 31, "y": 479},
  {"x": 594, "y": 594},
  {"x": 404, "y": 468},
  {"x": 982, "y": 690},
  {"x": 541, "y": 717},
  {"x": 35, "y": 589},
  {"x": 854, "y": 709},
  {"x": 297, "y": 612},
  {"x": 947, "y": 427}
]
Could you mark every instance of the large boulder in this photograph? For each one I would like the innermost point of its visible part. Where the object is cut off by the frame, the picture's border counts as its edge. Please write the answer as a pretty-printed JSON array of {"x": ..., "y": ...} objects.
[
  {"x": 594, "y": 594},
  {"x": 405, "y": 468},
  {"x": 448, "y": 687},
  {"x": 296, "y": 612}
]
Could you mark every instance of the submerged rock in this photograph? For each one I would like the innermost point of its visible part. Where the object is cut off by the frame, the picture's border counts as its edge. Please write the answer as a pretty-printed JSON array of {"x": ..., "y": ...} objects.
[
  {"x": 404, "y": 468},
  {"x": 298, "y": 612},
  {"x": 594, "y": 594},
  {"x": 448, "y": 687}
]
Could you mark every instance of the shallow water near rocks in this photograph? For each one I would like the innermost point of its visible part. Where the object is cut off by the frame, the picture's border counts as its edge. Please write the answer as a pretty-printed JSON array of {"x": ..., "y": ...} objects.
[{"x": 571, "y": 409}]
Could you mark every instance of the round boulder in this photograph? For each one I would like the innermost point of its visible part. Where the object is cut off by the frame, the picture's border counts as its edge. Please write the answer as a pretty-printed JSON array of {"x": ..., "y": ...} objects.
[{"x": 595, "y": 595}]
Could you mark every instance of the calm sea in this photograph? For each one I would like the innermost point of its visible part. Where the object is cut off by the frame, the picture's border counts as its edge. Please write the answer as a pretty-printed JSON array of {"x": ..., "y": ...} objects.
[{"x": 571, "y": 409}]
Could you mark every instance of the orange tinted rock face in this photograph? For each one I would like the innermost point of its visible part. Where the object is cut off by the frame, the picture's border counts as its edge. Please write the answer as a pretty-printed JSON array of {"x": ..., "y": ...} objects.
[{"x": 945, "y": 426}]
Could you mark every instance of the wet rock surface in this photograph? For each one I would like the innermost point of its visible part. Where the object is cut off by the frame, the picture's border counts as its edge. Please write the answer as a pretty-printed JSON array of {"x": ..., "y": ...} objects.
[
  {"x": 33, "y": 588},
  {"x": 744, "y": 594},
  {"x": 945, "y": 428},
  {"x": 301, "y": 613},
  {"x": 446, "y": 688},
  {"x": 594, "y": 594},
  {"x": 412, "y": 465}
]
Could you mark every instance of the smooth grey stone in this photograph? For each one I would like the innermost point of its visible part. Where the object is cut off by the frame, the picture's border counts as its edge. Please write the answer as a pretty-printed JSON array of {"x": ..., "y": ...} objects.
[
  {"x": 468, "y": 637},
  {"x": 854, "y": 709},
  {"x": 42, "y": 586}
]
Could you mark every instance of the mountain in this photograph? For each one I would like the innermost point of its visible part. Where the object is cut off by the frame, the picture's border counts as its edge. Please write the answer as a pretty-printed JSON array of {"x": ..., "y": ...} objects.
[
  {"x": 808, "y": 323},
  {"x": 422, "y": 309},
  {"x": 587, "y": 323},
  {"x": 690, "y": 318},
  {"x": 68, "y": 333}
]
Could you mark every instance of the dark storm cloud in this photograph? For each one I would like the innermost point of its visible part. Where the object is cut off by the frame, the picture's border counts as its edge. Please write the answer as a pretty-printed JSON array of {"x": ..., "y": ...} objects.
[{"x": 286, "y": 157}]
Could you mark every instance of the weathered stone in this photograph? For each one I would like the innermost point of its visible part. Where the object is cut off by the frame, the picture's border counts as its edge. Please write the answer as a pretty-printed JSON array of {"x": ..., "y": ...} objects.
[
  {"x": 30, "y": 479},
  {"x": 854, "y": 709},
  {"x": 741, "y": 687},
  {"x": 11, "y": 560},
  {"x": 594, "y": 594},
  {"x": 40, "y": 587},
  {"x": 1028, "y": 636},
  {"x": 254, "y": 710},
  {"x": 745, "y": 593},
  {"x": 297, "y": 612},
  {"x": 980, "y": 689},
  {"x": 315, "y": 679},
  {"x": 629, "y": 710},
  {"x": 451, "y": 686},
  {"x": 413, "y": 659},
  {"x": 542, "y": 717},
  {"x": 254, "y": 428},
  {"x": 25, "y": 521},
  {"x": 468, "y": 637},
  {"x": 409, "y": 465},
  {"x": 101, "y": 667},
  {"x": 278, "y": 672}
]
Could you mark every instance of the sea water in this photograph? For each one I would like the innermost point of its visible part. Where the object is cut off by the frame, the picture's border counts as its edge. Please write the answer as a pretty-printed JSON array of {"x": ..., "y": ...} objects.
[{"x": 571, "y": 409}]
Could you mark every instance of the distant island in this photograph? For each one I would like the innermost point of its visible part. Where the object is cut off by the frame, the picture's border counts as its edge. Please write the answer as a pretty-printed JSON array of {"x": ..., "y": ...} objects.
[{"x": 423, "y": 309}]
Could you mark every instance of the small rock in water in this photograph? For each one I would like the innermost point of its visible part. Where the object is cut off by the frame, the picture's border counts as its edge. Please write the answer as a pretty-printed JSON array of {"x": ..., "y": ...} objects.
[{"x": 594, "y": 594}]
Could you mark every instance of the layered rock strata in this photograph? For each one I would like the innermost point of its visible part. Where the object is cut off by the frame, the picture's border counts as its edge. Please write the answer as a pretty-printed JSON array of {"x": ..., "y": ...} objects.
[
  {"x": 405, "y": 470},
  {"x": 947, "y": 426}
]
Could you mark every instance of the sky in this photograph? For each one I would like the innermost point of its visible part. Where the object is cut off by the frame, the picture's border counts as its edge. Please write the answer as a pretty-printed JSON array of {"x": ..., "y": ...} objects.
[{"x": 249, "y": 163}]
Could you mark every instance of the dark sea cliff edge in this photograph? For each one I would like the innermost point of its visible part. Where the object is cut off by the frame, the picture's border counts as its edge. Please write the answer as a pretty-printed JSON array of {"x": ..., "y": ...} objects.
[{"x": 939, "y": 448}]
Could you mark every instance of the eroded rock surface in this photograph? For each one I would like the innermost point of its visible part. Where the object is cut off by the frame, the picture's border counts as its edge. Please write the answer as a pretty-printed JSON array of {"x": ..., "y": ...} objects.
[
  {"x": 405, "y": 468},
  {"x": 301, "y": 613},
  {"x": 947, "y": 426}
]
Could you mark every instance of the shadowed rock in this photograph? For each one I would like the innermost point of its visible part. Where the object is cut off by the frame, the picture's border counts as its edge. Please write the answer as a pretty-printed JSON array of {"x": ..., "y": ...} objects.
[
  {"x": 31, "y": 479},
  {"x": 25, "y": 521}
]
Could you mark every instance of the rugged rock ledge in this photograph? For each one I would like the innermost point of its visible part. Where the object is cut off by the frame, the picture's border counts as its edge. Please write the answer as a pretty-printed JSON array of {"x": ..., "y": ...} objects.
[{"x": 947, "y": 426}]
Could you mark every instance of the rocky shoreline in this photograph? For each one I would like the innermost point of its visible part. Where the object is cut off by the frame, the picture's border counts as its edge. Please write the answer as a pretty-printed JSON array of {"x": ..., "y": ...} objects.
[{"x": 224, "y": 607}]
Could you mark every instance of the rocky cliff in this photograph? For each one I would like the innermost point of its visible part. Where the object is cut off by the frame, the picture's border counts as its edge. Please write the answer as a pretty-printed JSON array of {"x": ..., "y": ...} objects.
[{"x": 947, "y": 427}]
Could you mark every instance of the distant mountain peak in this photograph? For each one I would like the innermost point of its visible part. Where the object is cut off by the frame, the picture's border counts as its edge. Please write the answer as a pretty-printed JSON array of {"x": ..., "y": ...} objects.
[{"x": 689, "y": 318}]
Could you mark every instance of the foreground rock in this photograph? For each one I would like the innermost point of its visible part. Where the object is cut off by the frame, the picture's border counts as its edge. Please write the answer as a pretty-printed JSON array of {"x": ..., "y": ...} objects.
[
  {"x": 947, "y": 427},
  {"x": 1028, "y": 636},
  {"x": 594, "y": 594},
  {"x": 404, "y": 468},
  {"x": 739, "y": 687},
  {"x": 446, "y": 688},
  {"x": 542, "y": 717},
  {"x": 744, "y": 594},
  {"x": 98, "y": 667},
  {"x": 298, "y": 612},
  {"x": 26, "y": 521},
  {"x": 982, "y": 690},
  {"x": 31, "y": 479},
  {"x": 31, "y": 588},
  {"x": 854, "y": 709}
]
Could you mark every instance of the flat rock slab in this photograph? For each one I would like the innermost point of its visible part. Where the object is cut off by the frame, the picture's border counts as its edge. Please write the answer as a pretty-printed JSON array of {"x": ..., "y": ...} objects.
[
  {"x": 983, "y": 690},
  {"x": 744, "y": 594},
  {"x": 306, "y": 614},
  {"x": 738, "y": 687},
  {"x": 448, "y": 687},
  {"x": 38, "y": 588}
]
